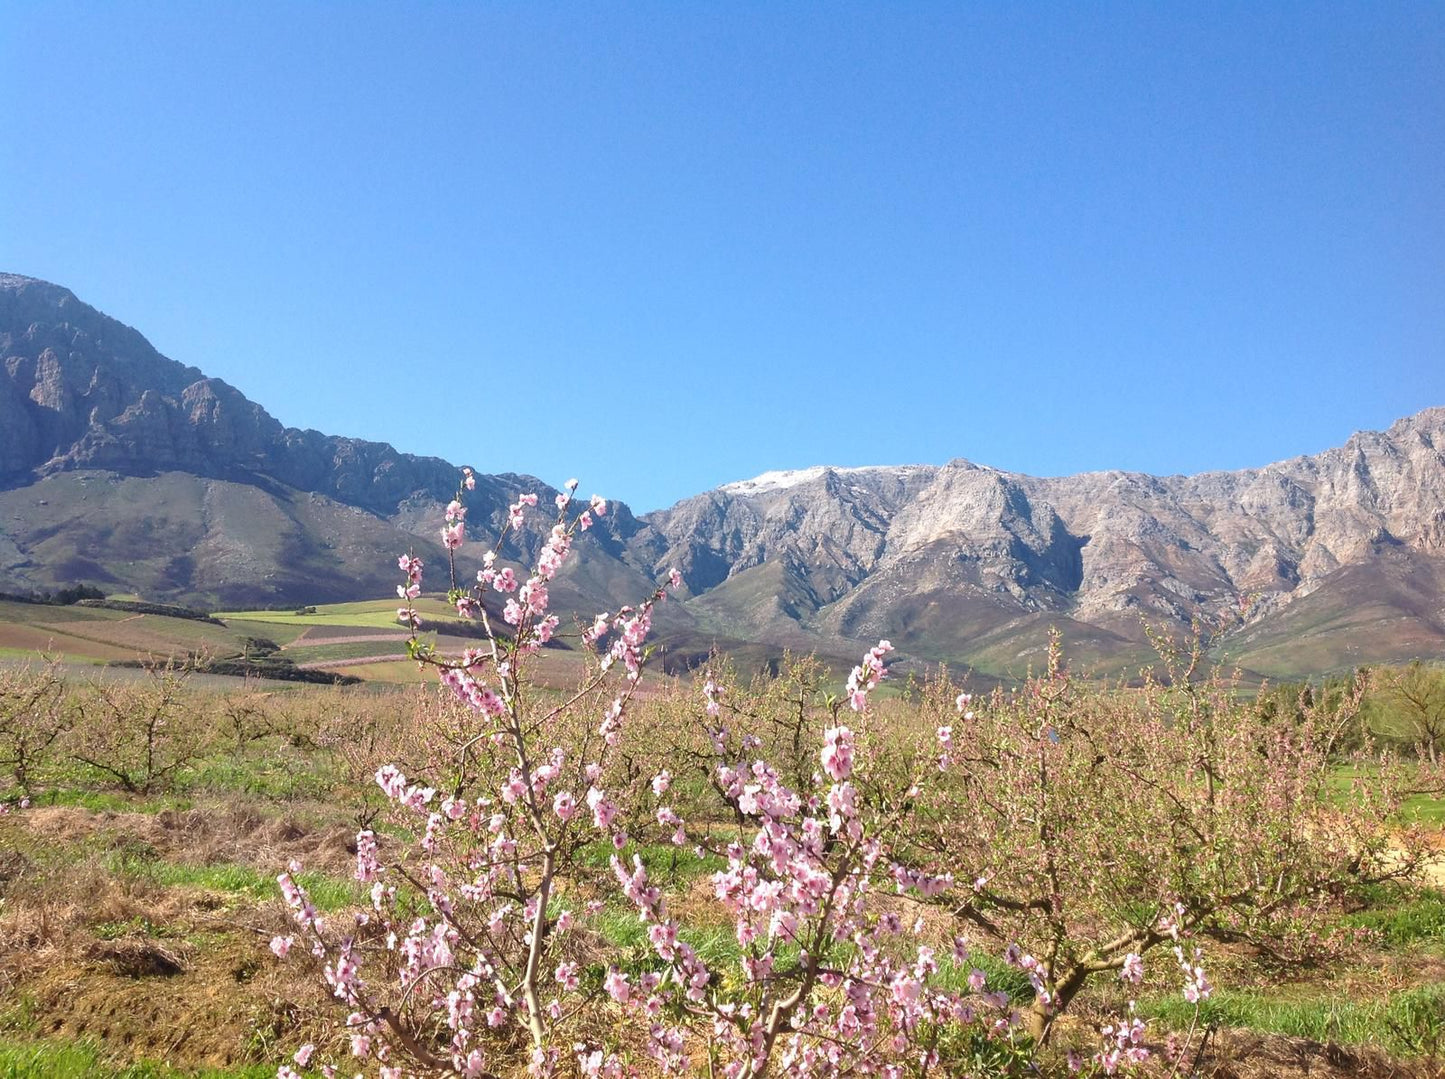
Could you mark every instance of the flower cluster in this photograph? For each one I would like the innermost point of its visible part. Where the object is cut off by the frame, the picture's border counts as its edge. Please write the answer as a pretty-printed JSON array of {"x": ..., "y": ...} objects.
[{"x": 866, "y": 676}]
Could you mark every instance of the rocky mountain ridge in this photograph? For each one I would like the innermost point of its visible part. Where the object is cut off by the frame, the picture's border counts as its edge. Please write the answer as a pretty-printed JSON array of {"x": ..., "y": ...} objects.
[
  {"x": 128, "y": 470},
  {"x": 83, "y": 391},
  {"x": 860, "y": 548},
  {"x": 125, "y": 469}
]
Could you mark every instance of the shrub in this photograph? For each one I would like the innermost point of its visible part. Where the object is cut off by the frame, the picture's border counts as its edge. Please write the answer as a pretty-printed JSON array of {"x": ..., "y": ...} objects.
[
  {"x": 35, "y": 712},
  {"x": 140, "y": 734}
]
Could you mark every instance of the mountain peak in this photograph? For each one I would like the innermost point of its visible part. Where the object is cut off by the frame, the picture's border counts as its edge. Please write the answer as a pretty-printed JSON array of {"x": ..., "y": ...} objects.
[{"x": 783, "y": 479}]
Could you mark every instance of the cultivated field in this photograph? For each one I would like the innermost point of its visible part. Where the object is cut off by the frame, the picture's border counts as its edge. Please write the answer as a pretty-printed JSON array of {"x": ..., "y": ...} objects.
[
  {"x": 360, "y": 640},
  {"x": 140, "y": 900}
]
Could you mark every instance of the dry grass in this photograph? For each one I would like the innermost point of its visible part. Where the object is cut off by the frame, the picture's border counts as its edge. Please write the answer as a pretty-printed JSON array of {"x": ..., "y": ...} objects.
[{"x": 146, "y": 927}]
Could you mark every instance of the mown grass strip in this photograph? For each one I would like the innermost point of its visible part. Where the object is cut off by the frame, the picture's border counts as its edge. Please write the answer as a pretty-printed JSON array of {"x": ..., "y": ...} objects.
[
  {"x": 86, "y": 1060},
  {"x": 1411, "y": 1022}
]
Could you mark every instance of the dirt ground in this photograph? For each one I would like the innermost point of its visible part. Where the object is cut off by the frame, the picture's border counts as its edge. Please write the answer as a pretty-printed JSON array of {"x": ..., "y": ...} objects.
[
  {"x": 183, "y": 974},
  {"x": 176, "y": 974}
]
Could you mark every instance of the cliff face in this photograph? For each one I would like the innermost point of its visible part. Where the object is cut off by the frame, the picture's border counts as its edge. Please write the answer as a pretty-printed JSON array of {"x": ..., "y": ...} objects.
[
  {"x": 126, "y": 469},
  {"x": 82, "y": 391},
  {"x": 940, "y": 556},
  {"x": 129, "y": 470}
]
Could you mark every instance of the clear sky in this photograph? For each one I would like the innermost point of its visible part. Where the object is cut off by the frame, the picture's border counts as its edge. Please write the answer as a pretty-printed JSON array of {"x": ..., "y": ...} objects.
[{"x": 664, "y": 246}]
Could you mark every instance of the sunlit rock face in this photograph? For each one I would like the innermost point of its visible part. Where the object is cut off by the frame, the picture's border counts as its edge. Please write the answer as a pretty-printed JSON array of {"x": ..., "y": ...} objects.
[{"x": 1110, "y": 549}]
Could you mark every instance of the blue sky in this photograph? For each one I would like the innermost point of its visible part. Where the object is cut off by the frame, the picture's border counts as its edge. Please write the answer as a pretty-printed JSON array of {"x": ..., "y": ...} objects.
[{"x": 664, "y": 246}]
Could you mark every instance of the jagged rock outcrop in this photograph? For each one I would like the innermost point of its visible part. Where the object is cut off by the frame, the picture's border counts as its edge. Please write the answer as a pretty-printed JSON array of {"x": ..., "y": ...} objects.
[
  {"x": 126, "y": 469},
  {"x": 79, "y": 390},
  {"x": 939, "y": 555}
]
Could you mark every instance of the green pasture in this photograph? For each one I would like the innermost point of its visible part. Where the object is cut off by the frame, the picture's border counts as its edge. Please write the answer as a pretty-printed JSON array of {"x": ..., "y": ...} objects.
[
  {"x": 50, "y": 1059},
  {"x": 370, "y": 613},
  {"x": 30, "y": 614},
  {"x": 328, "y": 653},
  {"x": 1426, "y": 806}
]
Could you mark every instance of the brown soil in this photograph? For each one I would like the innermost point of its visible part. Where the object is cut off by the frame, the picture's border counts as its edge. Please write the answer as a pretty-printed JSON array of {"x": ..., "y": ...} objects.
[
  {"x": 1244, "y": 1054},
  {"x": 189, "y": 978}
]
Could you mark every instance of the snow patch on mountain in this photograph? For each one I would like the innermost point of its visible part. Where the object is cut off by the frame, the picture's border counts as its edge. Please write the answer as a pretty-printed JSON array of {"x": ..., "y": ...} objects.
[{"x": 783, "y": 479}]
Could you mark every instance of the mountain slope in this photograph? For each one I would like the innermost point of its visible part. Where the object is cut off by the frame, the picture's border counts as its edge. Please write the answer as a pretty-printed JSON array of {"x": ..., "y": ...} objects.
[
  {"x": 966, "y": 562},
  {"x": 124, "y": 469}
]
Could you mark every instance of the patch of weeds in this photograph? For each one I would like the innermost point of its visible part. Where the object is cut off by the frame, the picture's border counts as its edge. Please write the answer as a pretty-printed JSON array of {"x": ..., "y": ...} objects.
[
  {"x": 1415, "y": 1021},
  {"x": 1410, "y": 1022},
  {"x": 328, "y": 893},
  {"x": 620, "y": 928},
  {"x": 625, "y": 931},
  {"x": 1339, "y": 1021},
  {"x": 22, "y": 1016},
  {"x": 975, "y": 1053},
  {"x": 137, "y": 926},
  {"x": 663, "y": 861},
  {"x": 86, "y": 1060},
  {"x": 270, "y": 1025},
  {"x": 1426, "y": 808},
  {"x": 1000, "y": 977},
  {"x": 105, "y": 801},
  {"x": 1402, "y": 917},
  {"x": 279, "y": 776}
]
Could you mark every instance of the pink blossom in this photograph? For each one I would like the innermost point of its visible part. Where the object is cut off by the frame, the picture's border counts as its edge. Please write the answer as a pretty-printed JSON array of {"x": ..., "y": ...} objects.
[
  {"x": 602, "y": 810},
  {"x": 837, "y": 755},
  {"x": 1133, "y": 969},
  {"x": 616, "y": 986}
]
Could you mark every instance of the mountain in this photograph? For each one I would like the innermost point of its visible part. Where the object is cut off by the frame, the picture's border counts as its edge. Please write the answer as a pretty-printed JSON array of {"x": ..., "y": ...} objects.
[
  {"x": 127, "y": 470},
  {"x": 1309, "y": 564},
  {"x": 124, "y": 469}
]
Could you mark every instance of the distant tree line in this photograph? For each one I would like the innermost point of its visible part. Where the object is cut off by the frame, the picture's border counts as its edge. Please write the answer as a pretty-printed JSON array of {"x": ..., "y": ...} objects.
[
  {"x": 1402, "y": 704},
  {"x": 63, "y": 597}
]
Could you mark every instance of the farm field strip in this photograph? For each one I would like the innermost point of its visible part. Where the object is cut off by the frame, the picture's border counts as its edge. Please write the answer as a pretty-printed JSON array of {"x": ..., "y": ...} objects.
[{"x": 37, "y": 639}]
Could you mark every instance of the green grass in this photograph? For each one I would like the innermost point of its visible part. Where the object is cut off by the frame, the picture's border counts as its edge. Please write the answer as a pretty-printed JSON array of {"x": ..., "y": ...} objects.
[
  {"x": 33, "y": 654},
  {"x": 323, "y": 653},
  {"x": 370, "y": 613},
  {"x": 279, "y": 775},
  {"x": 1409, "y": 1022},
  {"x": 112, "y": 801},
  {"x": 662, "y": 860},
  {"x": 401, "y": 672},
  {"x": 1000, "y": 976},
  {"x": 31, "y": 613},
  {"x": 1403, "y": 919},
  {"x": 1425, "y": 808},
  {"x": 328, "y": 893},
  {"x": 86, "y": 1060}
]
